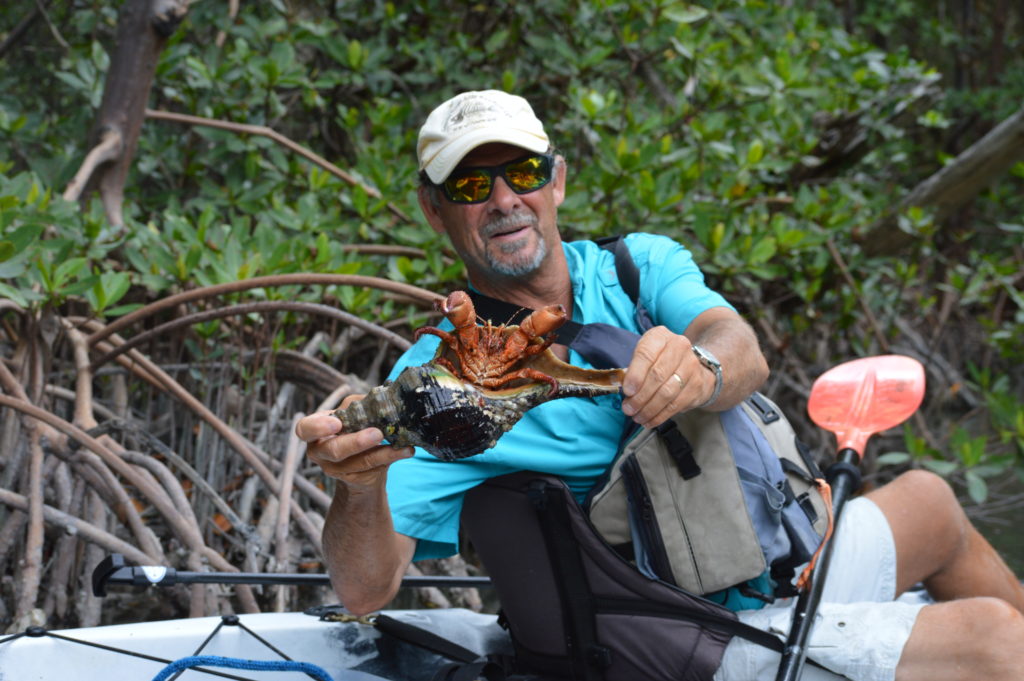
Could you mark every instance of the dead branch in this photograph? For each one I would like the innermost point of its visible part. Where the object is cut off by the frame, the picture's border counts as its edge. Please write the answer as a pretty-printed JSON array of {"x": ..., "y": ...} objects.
[
  {"x": 382, "y": 249},
  {"x": 33, "y": 555},
  {"x": 109, "y": 148},
  {"x": 299, "y": 279},
  {"x": 53, "y": 29},
  {"x": 167, "y": 481},
  {"x": 232, "y": 13},
  {"x": 230, "y": 435},
  {"x": 189, "y": 472},
  {"x": 68, "y": 395},
  {"x": 952, "y": 187},
  {"x": 10, "y": 385},
  {"x": 291, "y": 459},
  {"x": 83, "y": 378},
  {"x": 87, "y": 605},
  {"x": 263, "y": 131},
  {"x": 86, "y": 530},
  {"x": 142, "y": 30},
  {"x": 111, "y": 460},
  {"x": 10, "y": 530},
  {"x": 18, "y": 31},
  {"x": 248, "y": 308}
]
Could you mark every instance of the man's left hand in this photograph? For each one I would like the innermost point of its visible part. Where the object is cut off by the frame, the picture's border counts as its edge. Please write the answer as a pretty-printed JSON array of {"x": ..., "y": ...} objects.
[{"x": 664, "y": 378}]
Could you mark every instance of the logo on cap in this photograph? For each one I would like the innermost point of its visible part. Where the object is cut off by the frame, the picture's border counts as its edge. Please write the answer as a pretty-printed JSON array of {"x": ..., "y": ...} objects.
[{"x": 472, "y": 111}]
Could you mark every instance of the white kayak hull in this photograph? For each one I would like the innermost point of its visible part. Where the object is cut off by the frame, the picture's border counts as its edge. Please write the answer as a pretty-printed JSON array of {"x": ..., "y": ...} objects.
[{"x": 348, "y": 651}]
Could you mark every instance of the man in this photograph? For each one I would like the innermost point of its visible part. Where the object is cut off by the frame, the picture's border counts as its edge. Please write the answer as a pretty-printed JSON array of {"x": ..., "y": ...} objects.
[{"x": 492, "y": 184}]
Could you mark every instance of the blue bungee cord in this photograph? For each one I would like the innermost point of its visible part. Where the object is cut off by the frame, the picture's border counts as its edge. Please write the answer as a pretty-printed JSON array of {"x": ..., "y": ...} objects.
[{"x": 184, "y": 663}]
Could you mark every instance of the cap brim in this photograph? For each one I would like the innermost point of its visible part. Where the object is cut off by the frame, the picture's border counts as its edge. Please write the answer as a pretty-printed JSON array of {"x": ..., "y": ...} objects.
[{"x": 443, "y": 163}]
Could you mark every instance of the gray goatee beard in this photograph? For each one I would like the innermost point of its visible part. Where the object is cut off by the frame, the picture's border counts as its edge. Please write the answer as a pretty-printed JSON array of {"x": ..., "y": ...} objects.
[{"x": 520, "y": 263}]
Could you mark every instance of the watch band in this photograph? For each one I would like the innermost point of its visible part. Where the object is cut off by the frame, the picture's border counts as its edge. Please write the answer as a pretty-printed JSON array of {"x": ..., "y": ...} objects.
[{"x": 714, "y": 366}]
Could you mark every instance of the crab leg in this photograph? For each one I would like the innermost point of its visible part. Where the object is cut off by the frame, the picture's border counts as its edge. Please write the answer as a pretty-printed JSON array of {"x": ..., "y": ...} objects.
[{"x": 526, "y": 373}]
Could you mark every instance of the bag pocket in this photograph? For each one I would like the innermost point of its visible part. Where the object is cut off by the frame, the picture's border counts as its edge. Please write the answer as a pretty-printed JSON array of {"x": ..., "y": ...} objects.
[{"x": 692, "y": 523}]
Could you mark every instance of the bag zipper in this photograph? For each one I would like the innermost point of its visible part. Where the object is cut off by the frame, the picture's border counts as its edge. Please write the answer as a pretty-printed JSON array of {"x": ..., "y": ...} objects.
[{"x": 647, "y": 521}]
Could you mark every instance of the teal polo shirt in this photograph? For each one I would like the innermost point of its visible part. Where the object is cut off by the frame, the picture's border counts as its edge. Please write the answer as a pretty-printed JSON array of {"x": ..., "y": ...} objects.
[{"x": 575, "y": 438}]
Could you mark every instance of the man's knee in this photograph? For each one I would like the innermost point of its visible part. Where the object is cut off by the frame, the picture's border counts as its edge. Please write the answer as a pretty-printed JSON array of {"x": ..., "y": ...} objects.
[
  {"x": 993, "y": 636},
  {"x": 925, "y": 485},
  {"x": 971, "y": 638},
  {"x": 936, "y": 499},
  {"x": 923, "y": 494}
]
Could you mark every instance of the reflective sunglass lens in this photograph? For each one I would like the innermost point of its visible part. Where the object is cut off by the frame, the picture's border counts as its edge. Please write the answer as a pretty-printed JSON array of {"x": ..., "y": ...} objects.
[
  {"x": 527, "y": 175},
  {"x": 470, "y": 187}
]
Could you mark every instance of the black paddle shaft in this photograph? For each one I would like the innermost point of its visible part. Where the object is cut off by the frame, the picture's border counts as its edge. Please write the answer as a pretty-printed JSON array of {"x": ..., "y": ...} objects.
[{"x": 844, "y": 477}]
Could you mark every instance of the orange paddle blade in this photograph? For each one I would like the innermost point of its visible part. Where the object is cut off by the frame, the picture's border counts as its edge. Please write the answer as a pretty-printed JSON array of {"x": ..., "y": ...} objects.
[{"x": 862, "y": 397}]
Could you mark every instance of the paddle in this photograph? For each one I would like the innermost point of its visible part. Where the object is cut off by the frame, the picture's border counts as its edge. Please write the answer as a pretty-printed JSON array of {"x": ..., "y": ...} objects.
[
  {"x": 114, "y": 570},
  {"x": 854, "y": 400}
]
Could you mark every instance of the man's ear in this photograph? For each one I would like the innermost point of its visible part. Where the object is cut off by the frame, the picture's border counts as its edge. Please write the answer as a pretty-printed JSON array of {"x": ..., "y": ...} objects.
[
  {"x": 430, "y": 210},
  {"x": 559, "y": 181}
]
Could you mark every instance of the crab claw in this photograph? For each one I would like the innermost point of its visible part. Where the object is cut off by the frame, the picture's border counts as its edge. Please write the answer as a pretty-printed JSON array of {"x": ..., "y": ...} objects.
[
  {"x": 458, "y": 308},
  {"x": 543, "y": 321}
]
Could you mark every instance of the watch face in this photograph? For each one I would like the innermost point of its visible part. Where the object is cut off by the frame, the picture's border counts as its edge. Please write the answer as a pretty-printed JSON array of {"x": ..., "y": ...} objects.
[{"x": 706, "y": 357}]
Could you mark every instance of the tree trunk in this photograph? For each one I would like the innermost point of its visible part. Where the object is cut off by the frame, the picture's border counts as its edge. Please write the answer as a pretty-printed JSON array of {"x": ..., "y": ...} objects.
[
  {"x": 142, "y": 31},
  {"x": 954, "y": 185}
]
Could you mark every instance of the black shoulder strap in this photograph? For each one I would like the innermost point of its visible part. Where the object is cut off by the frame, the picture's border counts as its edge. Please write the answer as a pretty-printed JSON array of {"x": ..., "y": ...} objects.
[
  {"x": 625, "y": 268},
  {"x": 629, "y": 277}
]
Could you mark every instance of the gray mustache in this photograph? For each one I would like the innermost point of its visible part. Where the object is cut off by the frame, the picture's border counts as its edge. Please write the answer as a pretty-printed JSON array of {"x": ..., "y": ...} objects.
[{"x": 509, "y": 222}]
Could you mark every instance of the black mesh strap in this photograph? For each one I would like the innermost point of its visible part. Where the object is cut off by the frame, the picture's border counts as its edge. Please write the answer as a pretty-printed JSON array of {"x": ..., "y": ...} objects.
[{"x": 588, "y": 656}]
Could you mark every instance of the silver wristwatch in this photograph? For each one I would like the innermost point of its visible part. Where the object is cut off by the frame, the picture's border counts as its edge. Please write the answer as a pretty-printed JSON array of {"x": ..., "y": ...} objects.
[{"x": 715, "y": 367}]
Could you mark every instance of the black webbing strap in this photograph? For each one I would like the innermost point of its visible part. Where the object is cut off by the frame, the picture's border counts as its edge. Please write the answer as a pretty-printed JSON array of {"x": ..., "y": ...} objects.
[
  {"x": 763, "y": 408},
  {"x": 472, "y": 671},
  {"x": 587, "y": 655},
  {"x": 679, "y": 448},
  {"x": 625, "y": 268},
  {"x": 422, "y": 638},
  {"x": 467, "y": 665}
]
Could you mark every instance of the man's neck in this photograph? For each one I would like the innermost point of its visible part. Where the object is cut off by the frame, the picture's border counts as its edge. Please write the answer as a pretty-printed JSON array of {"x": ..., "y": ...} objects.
[{"x": 550, "y": 284}]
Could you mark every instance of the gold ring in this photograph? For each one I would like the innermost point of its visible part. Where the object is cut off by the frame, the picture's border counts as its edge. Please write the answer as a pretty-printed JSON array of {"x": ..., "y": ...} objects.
[{"x": 679, "y": 380}]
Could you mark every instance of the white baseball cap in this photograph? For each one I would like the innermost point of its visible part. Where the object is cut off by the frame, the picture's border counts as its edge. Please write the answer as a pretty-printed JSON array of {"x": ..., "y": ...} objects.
[{"x": 471, "y": 119}]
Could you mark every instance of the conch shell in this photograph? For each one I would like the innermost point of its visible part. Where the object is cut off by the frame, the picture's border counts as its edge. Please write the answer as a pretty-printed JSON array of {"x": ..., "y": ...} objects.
[{"x": 430, "y": 407}]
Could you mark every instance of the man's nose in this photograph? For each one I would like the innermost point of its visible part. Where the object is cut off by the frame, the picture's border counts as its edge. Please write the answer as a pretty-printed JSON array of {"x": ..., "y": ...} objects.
[{"x": 503, "y": 199}]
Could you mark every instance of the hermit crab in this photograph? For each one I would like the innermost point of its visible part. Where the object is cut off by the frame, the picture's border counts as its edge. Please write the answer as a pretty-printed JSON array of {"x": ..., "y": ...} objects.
[{"x": 478, "y": 385}]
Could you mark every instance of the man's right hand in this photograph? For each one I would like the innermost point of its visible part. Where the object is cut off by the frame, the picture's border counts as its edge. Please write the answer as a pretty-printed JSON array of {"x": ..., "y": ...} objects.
[
  {"x": 365, "y": 557},
  {"x": 357, "y": 459}
]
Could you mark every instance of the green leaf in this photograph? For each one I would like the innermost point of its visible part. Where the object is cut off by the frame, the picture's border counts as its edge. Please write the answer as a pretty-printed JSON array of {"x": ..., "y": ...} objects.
[
  {"x": 755, "y": 152},
  {"x": 356, "y": 55},
  {"x": 893, "y": 459},
  {"x": 977, "y": 488},
  {"x": 13, "y": 294},
  {"x": 684, "y": 13},
  {"x": 115, "y": 286},
  {"x": 940, "y": 466},
  {"x": 763, "y": 251},
  {"x": 67, "y": 270}
]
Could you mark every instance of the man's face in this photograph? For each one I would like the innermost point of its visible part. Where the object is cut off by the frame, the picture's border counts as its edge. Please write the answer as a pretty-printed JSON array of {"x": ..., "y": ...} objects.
[{"x": 509, "y": 234}]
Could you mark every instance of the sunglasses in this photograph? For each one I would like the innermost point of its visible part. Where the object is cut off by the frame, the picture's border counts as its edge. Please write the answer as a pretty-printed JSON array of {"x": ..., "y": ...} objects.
[{"x": 475, "y": 184}]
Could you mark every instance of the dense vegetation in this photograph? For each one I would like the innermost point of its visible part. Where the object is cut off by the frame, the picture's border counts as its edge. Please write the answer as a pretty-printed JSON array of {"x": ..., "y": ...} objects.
[{"x": 775, "y": 141}]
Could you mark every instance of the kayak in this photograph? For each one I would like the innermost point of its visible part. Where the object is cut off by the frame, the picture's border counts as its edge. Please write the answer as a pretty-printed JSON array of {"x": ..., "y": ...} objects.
[
  {"x": 324, "y": 643},
  {"x": 348, "y": 650}
]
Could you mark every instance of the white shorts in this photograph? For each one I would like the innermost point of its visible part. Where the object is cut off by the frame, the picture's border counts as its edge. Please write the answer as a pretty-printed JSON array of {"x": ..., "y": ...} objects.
[{"x": 859, "y": 630}]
